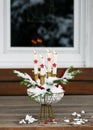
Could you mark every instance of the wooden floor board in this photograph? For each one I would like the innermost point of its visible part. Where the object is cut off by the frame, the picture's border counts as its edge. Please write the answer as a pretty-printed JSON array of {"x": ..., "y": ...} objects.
[{"x": 15, "y": 108}]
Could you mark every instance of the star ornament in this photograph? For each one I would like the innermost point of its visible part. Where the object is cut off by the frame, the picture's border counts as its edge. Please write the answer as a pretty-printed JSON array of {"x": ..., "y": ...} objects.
[
  {"x": 49, "y": 59},
  {"x": 54, "y": 65},
  {"x": 42, "y": 65},
  {"x": 35, "y": 61}
]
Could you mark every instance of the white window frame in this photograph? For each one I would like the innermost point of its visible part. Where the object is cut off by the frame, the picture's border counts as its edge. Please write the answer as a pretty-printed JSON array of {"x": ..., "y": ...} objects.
[{"x": 22, "y": 57}]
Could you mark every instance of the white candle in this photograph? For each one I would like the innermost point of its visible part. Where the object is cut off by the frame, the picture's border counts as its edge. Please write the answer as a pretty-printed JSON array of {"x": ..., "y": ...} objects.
[
  {"x": 42, "y": 60},
  {"x": 54, "y": 63},
  {"x": 54, "y": 69},
  {"x": 36, "y": 68},
  {"x": 35, "y": 55},
  {"x": 35, "y": 63},
  {"x": 48, "y": 53},
  {"x": 42, "y": 66},
  {"x": 48, "y": 60},
  {"x": 55, "y": 57}
]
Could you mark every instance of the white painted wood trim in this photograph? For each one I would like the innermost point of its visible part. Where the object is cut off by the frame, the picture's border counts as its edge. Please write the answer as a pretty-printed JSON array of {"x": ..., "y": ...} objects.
[{"x": 89, "y": 35}]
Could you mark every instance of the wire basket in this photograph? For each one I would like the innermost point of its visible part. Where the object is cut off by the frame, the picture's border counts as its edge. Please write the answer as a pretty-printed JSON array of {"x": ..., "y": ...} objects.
[
  {"x": 50, "y": 99},
  {"x": 46, "y": 111}
]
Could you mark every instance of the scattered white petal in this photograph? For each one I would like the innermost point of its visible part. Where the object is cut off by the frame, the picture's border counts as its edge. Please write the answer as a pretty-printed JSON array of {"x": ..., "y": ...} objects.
[
  {"x": 22, "y": 121},
  {"x": 78, "y": 123},
  {"x": 78, "y": 115},
  {"x": 74, "y": 123},
  {"x": 54, "y": 122},
  {"x": 83, "y": 112},
  {"x": 76, "y": 119},
  {"x": 28, "y": 119},
  {"x": 83, "y": 122},
  {"x": 67, "y": 120},
  {"x": 74, "y": 114},
  {"x": 86, "y": 120}
]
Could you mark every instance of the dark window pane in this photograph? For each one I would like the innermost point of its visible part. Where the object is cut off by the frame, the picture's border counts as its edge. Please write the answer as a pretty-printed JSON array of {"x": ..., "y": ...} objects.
[{"x": 42, "y": 23}]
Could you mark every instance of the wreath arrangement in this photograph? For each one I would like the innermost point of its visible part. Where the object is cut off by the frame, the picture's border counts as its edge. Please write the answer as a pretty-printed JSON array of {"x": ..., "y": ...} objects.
[{"x": 46, "y": 88}]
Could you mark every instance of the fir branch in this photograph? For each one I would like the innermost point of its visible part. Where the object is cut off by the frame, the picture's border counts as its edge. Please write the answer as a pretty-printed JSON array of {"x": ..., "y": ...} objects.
[
  {"x": 32, "y": 96},
  {"x": 26, "y": 79},
  {"x": 70, "y": 74},
  {"x": 61, "y": 81}
]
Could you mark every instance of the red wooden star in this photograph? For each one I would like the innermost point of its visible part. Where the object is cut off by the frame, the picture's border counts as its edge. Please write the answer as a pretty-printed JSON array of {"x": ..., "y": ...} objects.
[
  {"x": 54, "y": 65},
  {"x": 42, "y": 65},
  {"x": 35, "y": 61},
  {"x": 49, "y": 59}
]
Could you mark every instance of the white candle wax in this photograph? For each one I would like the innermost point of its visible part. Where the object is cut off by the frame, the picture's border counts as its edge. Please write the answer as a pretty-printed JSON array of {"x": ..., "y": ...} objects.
[
  {"x": 42, "y": 66},
  {"x": 35, "y": 68},
  {"x": 54, "y": 69},
  {"x": 49, "y": 67},
  {"x": 55, "y": 62},
  {"x": 35, "y": 55},
  {"x": 48, "y": 60},
  {"x": 42, "y": 59},
  {"x": 48, "y": 53},
  {"x": 35, "y": 63},
  {"x": 55, "y": 57}
]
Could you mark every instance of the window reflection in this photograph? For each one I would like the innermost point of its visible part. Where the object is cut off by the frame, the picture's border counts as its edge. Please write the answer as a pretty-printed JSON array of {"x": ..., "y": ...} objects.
[{"x": 42, "y": 23}]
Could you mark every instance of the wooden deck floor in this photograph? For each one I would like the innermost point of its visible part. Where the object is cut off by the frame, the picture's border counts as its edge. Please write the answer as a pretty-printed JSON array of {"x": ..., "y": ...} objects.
[{"x": 15, "y": 108}]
